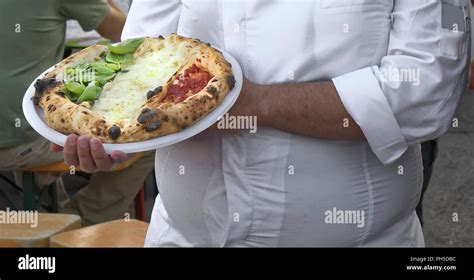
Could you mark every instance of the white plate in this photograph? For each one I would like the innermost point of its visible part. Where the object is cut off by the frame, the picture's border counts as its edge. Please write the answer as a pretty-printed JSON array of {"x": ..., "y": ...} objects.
[{"x": 34, "y": 116}]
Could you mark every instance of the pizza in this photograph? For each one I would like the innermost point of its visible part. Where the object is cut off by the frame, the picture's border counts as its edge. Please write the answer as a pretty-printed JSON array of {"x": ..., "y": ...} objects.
[{"x": 140, "y": 89}]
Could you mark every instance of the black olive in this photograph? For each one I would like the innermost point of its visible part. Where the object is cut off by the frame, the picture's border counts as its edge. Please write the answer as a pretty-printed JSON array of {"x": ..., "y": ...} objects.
[{"x": 114, "y": 132}]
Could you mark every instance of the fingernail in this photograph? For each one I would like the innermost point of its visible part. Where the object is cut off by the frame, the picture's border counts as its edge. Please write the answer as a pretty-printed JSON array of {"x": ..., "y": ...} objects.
[
  {"x": 95, "y": 146},
  {"x": 72, "y": 140},
  {"x": 83, "y": 143}
]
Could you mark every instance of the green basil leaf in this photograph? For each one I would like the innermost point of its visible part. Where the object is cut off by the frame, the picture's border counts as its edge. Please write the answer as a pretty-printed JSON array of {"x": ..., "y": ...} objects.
[
  {"x": 109, "y": 67},
  {"x": 68, "y": 94},
  {"x": 91, "y": 92},
  {"x": 104, "y": 78},
  {"x": 97, "y": 64},
  {"x": 104, "y": 70},
  {"x": 119, "y": 58},
  {"x": 113, "y": 66},
  {"x": 83, "y": 75},
  {"x": 75, "y": 88},
  {"x": 101, "y": 68},
  {"x": 70, "y": 71},
  {"x": 82, "y": 66},
  {"x": 127, "y": 46}
]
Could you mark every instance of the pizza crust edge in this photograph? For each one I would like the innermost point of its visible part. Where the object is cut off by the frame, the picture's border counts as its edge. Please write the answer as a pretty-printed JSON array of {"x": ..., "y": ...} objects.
[{"x": 154, "y": 118}]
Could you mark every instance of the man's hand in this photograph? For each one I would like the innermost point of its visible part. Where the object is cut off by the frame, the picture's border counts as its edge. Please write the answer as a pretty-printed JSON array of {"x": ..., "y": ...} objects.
[{"x": 89, "y": 154}]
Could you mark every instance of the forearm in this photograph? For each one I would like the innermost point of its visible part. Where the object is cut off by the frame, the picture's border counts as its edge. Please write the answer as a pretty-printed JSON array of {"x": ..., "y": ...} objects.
[
  {"x": 113, "y": 23},
  {"x": 113, "y": 5},
  {"x": 309, "y": 109}
]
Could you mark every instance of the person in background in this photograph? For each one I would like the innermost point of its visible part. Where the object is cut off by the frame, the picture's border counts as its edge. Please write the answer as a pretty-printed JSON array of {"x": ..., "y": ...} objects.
[
  {"x": 77, "y": 38},
  {"x": 33, "y": 39},
  {"x": 429, "y": 151},
  {"x": 471, "y": 69}
]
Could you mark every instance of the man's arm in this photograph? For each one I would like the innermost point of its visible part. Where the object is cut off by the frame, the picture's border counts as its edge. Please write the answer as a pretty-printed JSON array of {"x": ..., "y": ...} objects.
[
  {"x": 391, "y": 113},
  {"x": 112, "y": 26},
  {"x": 309, "y": 109}
]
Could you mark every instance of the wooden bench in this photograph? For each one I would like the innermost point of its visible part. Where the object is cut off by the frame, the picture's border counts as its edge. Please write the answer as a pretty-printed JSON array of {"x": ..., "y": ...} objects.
[
  {"x": 118, "y": 233},
  {"x": 47, "y": 224},
  {"x": 31, "y": 200}
]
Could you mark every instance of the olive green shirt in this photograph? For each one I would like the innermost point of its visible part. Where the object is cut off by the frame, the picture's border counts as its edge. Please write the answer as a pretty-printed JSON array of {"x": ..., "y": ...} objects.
[{"x": 32, "y": 38}]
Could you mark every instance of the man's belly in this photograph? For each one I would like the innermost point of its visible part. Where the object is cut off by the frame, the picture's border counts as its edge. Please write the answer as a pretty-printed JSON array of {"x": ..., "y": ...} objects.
[{"x": 277, "y": 189}]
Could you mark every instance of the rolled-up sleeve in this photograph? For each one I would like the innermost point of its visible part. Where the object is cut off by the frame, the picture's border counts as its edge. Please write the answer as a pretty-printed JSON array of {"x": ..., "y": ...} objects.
[
  {"x": 152, "y": 18},
  {"x": 411, "y": 96}
]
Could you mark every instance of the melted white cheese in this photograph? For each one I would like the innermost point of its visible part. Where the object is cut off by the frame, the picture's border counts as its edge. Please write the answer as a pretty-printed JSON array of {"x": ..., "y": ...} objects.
[{"x": 121, "y": 98}]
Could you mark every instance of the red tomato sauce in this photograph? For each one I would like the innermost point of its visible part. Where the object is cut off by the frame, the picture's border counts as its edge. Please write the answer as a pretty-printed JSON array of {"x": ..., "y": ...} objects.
[{"x": 192, "y": 82}]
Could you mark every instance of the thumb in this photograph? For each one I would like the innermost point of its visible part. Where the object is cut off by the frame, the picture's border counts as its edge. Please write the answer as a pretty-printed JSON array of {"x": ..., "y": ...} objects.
[
  {"x": 55, "y": 148},
  {"x": 119, "y": 156}
]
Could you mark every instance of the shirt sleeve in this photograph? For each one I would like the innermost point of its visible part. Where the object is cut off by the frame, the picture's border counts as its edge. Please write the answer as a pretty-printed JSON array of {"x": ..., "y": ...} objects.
[
  {"x": 89, "y": 13},
  {"x": 411, "y": 96},
  {"x": 152, "y": 18}
]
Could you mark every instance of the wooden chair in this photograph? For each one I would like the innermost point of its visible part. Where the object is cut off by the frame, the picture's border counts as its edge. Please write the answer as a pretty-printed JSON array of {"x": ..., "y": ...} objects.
[
  {"x": 118, "y": 233},
  {"x": 47, "y": 224},
  {"x": 31, "y": 200}
]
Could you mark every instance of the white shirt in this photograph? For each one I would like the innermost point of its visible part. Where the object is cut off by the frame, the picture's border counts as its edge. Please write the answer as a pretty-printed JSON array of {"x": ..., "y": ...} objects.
[{"x": 399, "y": 72}]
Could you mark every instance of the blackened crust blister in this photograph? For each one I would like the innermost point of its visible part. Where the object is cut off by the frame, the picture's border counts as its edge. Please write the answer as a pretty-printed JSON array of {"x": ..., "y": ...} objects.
[
  {"x": 230, "y": 81},
  {"x": 146, "y": 116},
  {"x": 114, "y": 132},
  {"x": 154, "y": 92},
  {"x": 213, "y": 91},
  {"x": 36, "y": 99},
  {"x": 41, "y": 85},
  {"x": 153, "y": 126}
]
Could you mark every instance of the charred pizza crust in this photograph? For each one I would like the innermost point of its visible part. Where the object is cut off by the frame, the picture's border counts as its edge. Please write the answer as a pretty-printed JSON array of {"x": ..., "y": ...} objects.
[{"x": 156, "y": 117}]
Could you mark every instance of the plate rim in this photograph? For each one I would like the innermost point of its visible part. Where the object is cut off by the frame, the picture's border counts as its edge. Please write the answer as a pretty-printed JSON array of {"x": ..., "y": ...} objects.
[{"x": 36, "y": 119}]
